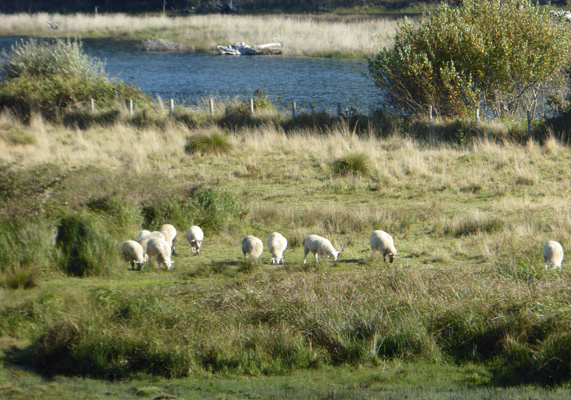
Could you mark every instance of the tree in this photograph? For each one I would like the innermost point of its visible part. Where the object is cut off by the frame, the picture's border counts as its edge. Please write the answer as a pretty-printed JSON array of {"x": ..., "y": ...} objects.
[{"x": 503, "y": 55}]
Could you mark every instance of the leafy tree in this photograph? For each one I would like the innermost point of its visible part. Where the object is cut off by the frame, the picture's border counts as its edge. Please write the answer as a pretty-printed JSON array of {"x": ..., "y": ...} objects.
[{"x": 503, "y": 55}]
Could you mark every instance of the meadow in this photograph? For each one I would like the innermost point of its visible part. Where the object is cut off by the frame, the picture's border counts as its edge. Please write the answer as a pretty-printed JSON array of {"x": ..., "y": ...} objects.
[
  {"x": 299, "y": 35},
  {"x": 467, "y": 306}
]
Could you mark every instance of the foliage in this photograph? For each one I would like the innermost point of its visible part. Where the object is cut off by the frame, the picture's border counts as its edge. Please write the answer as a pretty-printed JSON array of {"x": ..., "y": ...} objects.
[
  {"x": 85, "y": 248},
  {"x": 47, "y": 76},
  {"x": 500, "y": 55}
]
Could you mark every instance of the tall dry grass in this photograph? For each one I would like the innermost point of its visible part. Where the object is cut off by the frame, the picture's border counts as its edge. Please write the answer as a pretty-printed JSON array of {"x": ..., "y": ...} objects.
[{"x": 299, "y": 37}]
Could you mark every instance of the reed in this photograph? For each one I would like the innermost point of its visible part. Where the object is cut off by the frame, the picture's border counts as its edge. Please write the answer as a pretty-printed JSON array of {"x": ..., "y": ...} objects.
[{"x": 299, "y": 36}]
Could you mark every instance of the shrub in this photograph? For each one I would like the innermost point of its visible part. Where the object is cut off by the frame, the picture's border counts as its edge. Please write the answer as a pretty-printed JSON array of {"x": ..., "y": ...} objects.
[
  {"x": 496, "y": 54},
  {"x": 49, "y": 75},
  {"x": 85, "y": 248}
]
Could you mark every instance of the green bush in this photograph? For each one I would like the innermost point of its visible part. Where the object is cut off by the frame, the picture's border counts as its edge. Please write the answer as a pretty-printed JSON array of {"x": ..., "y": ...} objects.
[
  {"x": 85, "y": 248},
  {"x": 352, "y": 164},
  {"x": 46, "y": 76},
  {"x": 492, "y": 54},
  {"x": 213, "y": 143}
]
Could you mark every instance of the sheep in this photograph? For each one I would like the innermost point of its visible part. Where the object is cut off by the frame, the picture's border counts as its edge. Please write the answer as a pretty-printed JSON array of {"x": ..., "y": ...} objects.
[
  {"x": 161, "y": 250},
  {"x": 143, "y": 234},
  {"x": 195, "y": 236},
  {"x": 382, "y": 242},
  {"x": 170, "y": 235},
  {"x": 320, "y": 246},
  {"x": 133, "y": 252},
  {"x": 277, "y": 245},
  {"x": 553, "y": 255},
  {"x": 143, "y": 242},
  {"x": 157, "y": 235},
  {"x": 253, "y": 247}
]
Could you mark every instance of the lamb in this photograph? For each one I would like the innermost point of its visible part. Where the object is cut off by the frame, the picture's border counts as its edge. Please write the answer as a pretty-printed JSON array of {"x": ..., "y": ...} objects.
[
  {"x": 161, "y": 250},
  {"x": 277, "y": 245},
  {"x": 170, "y": 235},
  {"x": 253, "y": 247},
  {"x": 157, "y": 235},
  {"x": 133, "y": 252},
  {"x": 195, "y": 236},
  {"x": 143, "y": 242},
  {"x": 382, "y": 242},
  {"x": 553, "y": 255},
  {"x": 320, "y": 246}
]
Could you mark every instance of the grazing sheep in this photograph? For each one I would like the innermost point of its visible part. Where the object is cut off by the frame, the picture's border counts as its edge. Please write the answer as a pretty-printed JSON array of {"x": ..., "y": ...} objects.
[
  {"x": 195, "y": 236},
  {"x": 157, "y": 235},
  {"x": 142, "y": 234},
  {"x": 553, "y": 255},
  {"x": 133, "y": 252},
  {"x": 143, "y": 242},
  {"x": 382, "y": 242},
  {"x": 170, "y": 235},
  {"x": 253, "y": 247},
  {"x": 320, "y": 246},
  {"x": 161, "y": 250},
  {"x": 277, "y": 245}
]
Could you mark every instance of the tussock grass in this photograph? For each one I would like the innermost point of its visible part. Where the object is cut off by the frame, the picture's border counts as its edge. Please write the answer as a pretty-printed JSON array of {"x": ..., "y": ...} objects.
[
  {"x": 356, "y": 164},
  {"x": 212, "y": 143}
]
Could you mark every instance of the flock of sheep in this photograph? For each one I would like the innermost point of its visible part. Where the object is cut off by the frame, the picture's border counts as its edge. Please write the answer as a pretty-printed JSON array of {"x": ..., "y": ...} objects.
[{"x": 160, "y": 246}]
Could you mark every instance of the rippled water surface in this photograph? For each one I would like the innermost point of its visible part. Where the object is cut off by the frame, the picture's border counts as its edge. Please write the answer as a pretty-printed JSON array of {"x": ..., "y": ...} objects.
[{"x": 190, "y": 77}]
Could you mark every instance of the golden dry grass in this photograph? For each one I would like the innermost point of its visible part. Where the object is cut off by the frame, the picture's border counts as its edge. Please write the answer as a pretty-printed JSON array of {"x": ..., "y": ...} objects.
[{"x": 299, "y": 36}]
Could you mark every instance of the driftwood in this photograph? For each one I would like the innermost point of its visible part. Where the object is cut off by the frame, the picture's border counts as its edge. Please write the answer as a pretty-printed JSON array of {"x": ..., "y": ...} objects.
[
  {"x": 241, "y": 48},
  {"x": 162, "y": 45}
]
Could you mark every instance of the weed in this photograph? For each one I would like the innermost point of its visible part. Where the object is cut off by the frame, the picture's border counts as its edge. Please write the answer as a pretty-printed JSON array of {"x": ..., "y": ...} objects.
[
  {"x": 213, "y": 143},
  {"x": 355, "y": 164}
]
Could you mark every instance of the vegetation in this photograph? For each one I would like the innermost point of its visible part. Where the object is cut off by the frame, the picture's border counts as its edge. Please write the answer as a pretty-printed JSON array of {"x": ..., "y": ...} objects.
[
  {"x": 48, "y": 76},
  {"x": 484, "y": 54}
]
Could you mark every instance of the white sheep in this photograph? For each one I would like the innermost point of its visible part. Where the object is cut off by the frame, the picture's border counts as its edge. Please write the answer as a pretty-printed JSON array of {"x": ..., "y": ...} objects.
[
  {"x": 133, "y": 252},
  {"x": 553, "y": 255},
  {"x": 143, "y": 242},
  {"x": 253, "y": 247},
  {"x": 142, "y": 234},
  {"x": 320, "y": 246},
  {"x": 157, "y": 235},
  {"x": 382, "y": 242},
  {"x": 277, "y": 245},
  {"x": 195, "y": 236},
  {"x": 160, "y": 250},
  {"x": 170, "y": 235}
]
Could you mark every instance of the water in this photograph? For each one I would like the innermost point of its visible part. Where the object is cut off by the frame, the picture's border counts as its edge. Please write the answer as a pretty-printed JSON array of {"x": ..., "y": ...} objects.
[{"x": 191, "y": 77}]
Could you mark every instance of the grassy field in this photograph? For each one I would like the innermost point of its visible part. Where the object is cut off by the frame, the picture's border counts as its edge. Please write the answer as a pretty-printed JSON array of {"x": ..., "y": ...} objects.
[
  {"x": 300, "y": 36},
  {"x": 467, "y": 310}
]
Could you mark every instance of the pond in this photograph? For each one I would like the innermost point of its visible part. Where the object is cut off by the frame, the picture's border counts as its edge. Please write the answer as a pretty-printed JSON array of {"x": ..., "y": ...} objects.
[{"x": 189, "y": 78}]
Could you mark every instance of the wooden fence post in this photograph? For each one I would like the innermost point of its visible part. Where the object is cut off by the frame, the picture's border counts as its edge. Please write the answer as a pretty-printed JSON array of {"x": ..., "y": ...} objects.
[
  {"x": 293, "y": 109},
  {"x": 211, "y": 107},
  {"x": 131, "y": 107}
]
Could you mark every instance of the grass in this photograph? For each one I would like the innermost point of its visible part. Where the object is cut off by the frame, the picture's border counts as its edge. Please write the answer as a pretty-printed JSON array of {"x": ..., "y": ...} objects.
[
  {"x": 299, "y": 36},
  {"x": 468, "y": 297}
]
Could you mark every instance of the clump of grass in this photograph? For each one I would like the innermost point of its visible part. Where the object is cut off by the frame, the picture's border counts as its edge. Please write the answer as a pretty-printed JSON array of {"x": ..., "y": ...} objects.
[
  {"x": 353, "y": 164},
  {"x": 474, "y": 224},
  {"x": 85, "y": 248},
  {"x": 208, "y": 143},
  {"x": 20, "y": 278}
]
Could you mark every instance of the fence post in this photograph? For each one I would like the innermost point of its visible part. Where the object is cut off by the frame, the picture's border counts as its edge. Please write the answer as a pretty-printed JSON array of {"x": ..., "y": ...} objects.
[
  {"x": 339, "y": 111},
  {"x": 477, "y": 114},
  {"x": 131, "y": 107},
  {"x": 293, "y": 110},
  {"x": 211, "y": 107},
  {"x": 430, "y": 113},
  {"x": 92, "y": 105},
  {"x": 251, "y": 105},
  {"x": 172, "y": 106}
]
